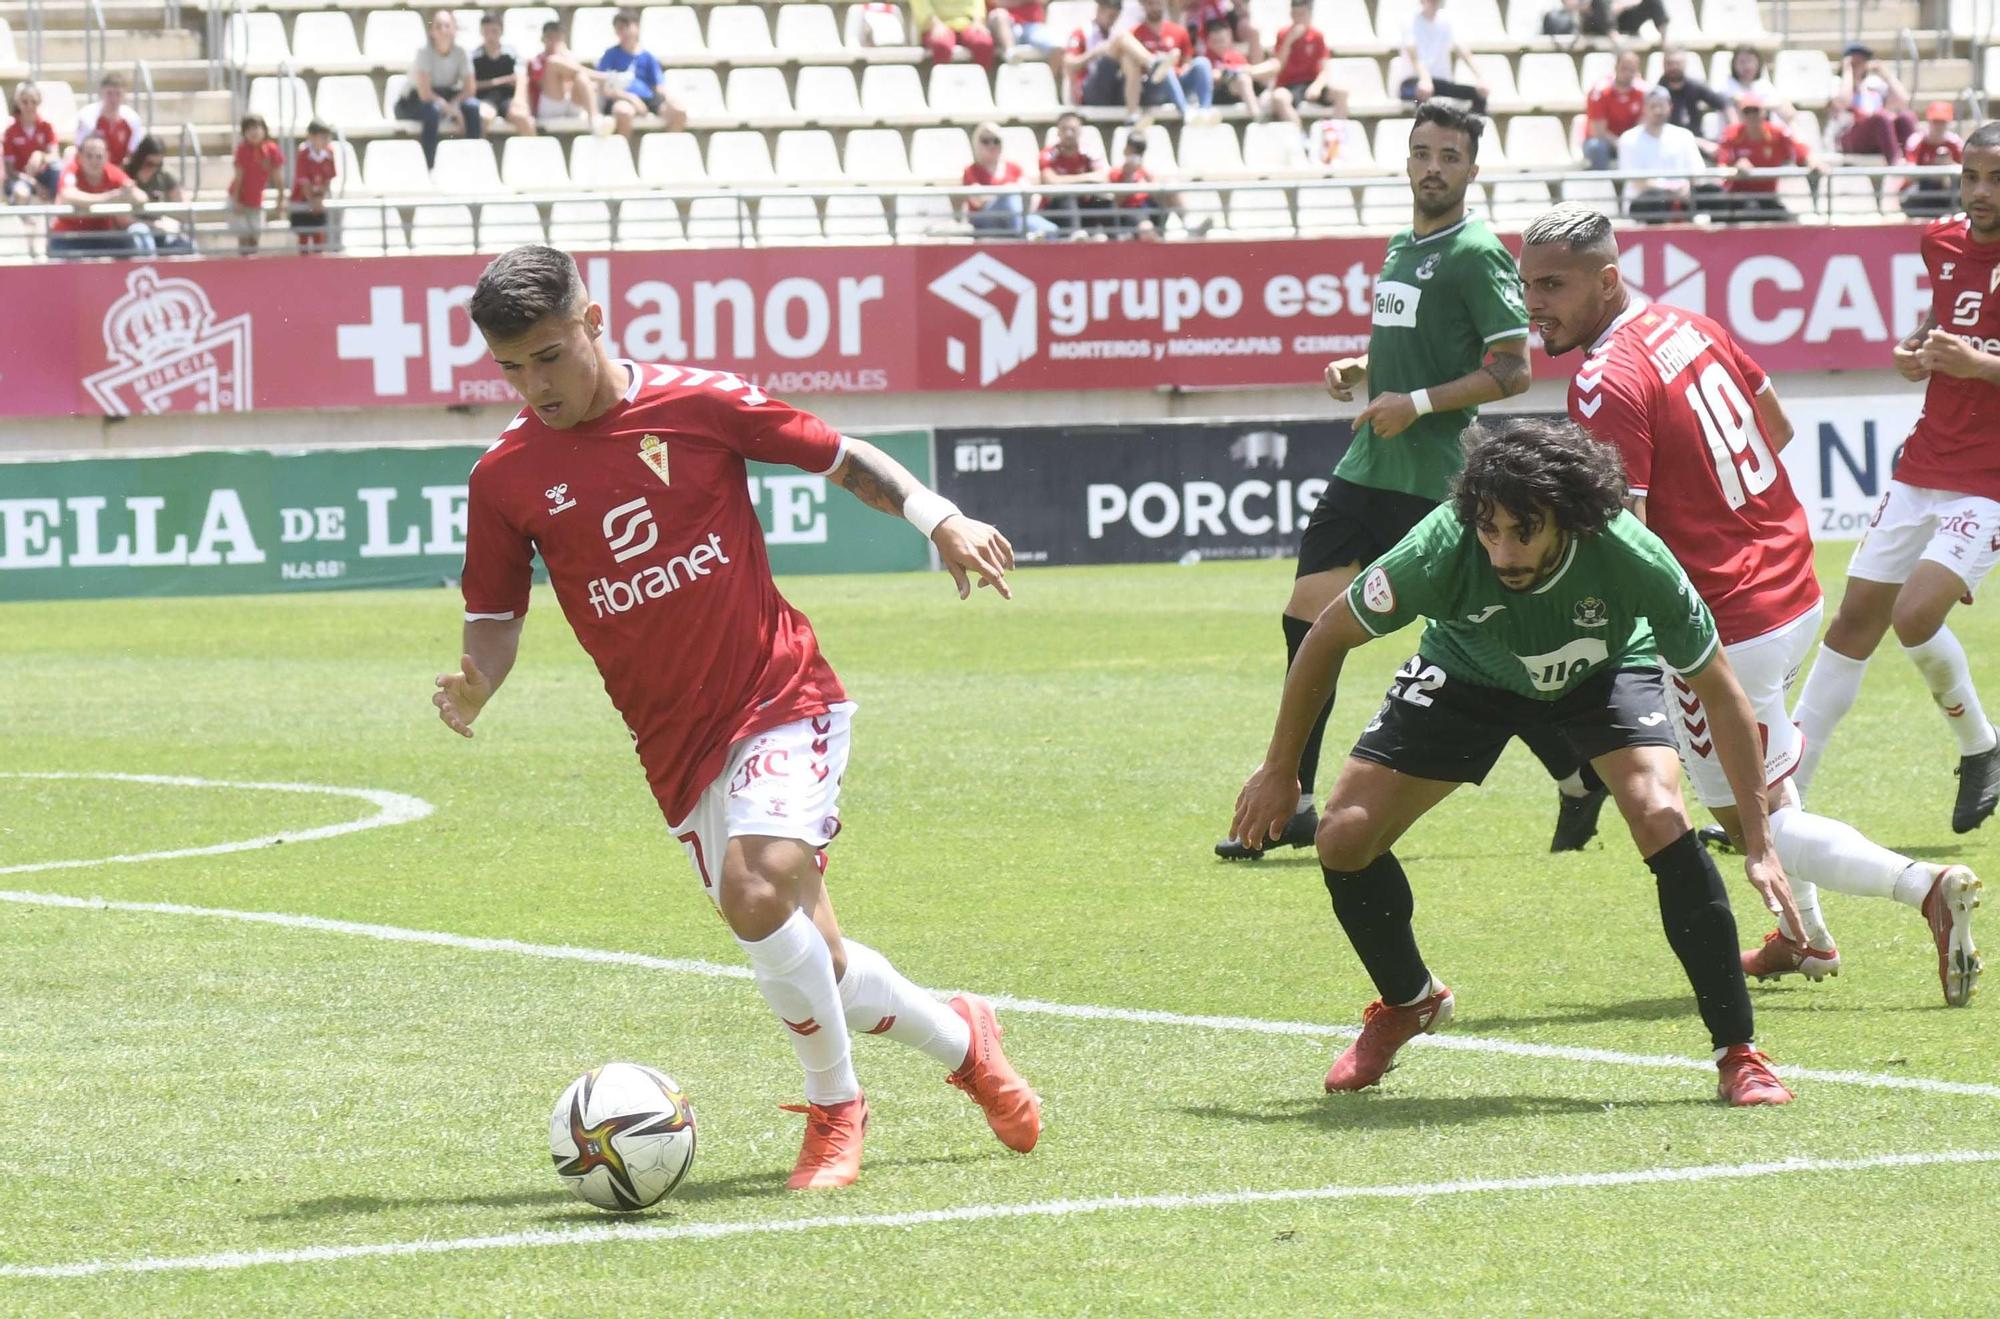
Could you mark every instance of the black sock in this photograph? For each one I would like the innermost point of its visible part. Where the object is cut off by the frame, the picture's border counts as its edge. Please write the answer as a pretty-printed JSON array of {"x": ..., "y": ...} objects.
[
  {"x": 1559, "y": 758},
  {"x": 1374, "y": 906},
  {"x": 1694, "y": 908},
  {"x": 1295, "y": 635}
]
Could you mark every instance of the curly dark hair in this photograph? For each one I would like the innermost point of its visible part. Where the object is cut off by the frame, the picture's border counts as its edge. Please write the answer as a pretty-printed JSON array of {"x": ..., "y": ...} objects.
[{"x": 1537, "y": 467}]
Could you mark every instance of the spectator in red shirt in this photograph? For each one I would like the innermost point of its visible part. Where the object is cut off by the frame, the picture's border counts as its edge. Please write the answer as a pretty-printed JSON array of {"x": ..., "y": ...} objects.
[
  {"x": 111, "y": 119},
  {"x": 1198, "y": 14},
  {"x": 1302, "y": 77},
  {"x": 1235, "y": 77},
  {"x": 313, "y": 173},
  {"x": 33, "y": 167},
  {"x": 1173, "y": 72},
  {"x": 1756, "y": 141},
  {"x": 1934, "y": 144},
  {"x": 257, "y": 162},
  {"x": 1066, "y": 161},
  {"x": 1613, "y": 108},
  {"x": 1005, "y": 215},
  {"x": 1023, "y": 23},
  {"x": 1104, "y": 42},
  {"x": 88, "y": 179}
]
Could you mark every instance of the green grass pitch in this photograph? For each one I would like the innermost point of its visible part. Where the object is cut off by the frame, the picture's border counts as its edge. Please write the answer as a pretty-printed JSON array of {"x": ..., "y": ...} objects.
[{"x": 1034, "y": 791}]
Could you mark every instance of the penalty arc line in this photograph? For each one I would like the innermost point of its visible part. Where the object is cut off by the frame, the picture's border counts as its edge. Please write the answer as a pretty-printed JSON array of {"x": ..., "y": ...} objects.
[{"x": 642, "y": 1233}]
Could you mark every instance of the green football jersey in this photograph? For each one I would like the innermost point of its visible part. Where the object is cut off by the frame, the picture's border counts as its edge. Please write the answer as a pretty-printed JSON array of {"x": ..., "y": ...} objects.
[
  {"x": 1440, "y": 300},
  {"x": 1616, "y": 600}
]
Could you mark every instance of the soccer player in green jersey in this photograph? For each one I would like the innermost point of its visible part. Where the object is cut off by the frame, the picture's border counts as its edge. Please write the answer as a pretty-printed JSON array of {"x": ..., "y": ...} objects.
[
  {"x": 1548, "y": 605},
  {"x": 1449, "y": 334}
]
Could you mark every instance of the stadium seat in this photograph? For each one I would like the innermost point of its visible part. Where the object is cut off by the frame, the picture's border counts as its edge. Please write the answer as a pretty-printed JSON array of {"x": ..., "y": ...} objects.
[
  {"x": 1348, "y": 27},
  {"x": 465, "y": 168},
  {"x": 393, "y": 88},
  {"x": 1733, "y": 22},
  {"x": 521, "y": 28},
  {"x": 1538, "y": 142},
  {"x": 959, "y": 93},
  {"x": 442, "y": 229},
  {"x": 1021, "y": 90},
  {"x": 700, "y": 92},
  {"x": 1271, "y": 148},
  {"x": 325, "y": 40},
  {"x": 1804, "y": 77},
  {"x": 649, "y": 222},
  {"x": 395, "y": 167},
  {"x": 391, "y": 37},
  {"x": 1548, "y": 82},
  {"x": 11, "y": 65},
  {"x": 1267, "y": 16},
  {"x": 601, "y": 162},
  {"x": 759, "y": 96},
  {"x": 590, "y": 32},
  {"x": 1355, "y": 156},
  {"x": 829, "y": 95},
  {"x": 876, "y": 155},
  {"x": 1210, "y": 151},
  {"x": 940, "y": 155},
  {"x": 1524, "y": 23},
  {"x": 807, "y": 155},
  {"x": 719, "y": 220},
  {"x": 1324, "y": 209},
  {"x": 886, "y": 19},
  {"x": 1392, "y": 144},
  {"x": 1685, "y": 24},
  {"x": 893, "y": 94},
  {"x": 1584, "y": 189},
  {"x": 856, "y": 219},
  {"x": 1594, "y": 68},
  {"x": 346, "y": 169},
  {"x": 373, "y": 231},
  {"x": 921, "y": 213},
  {"x": 1851, "y": 198},
  {"x": 671, "y": 160},
  {"x": 1260, "y": 210},
  {"x": 1067, "y": 16},
  {"x": 1204, "y": 205},
  {"x": 1385, "y": 205},
  {"x": 578, "y": 224},
  {"x": 671, "y": 32},
  {"x": 257, "y": 41},
  {"x": 1497, "y": 74},
  {"x": 1493, "y": 151},
  {"x": 1514, "y": 204},
  {"x": 1161, "y": 161},
  {"x": 807, "y": 31},
  {"x": 285, "y": 102},
  {"x": 533, "y": 164},
  {"x": 787, "y": 218},
  {"x": 1019, "y": 144},
  {"x": 1361, "y": 79},
  {"x": 735, "y": 31},
  {"x": 504, "y": 225},
  {"x": 740, "y": 157}
]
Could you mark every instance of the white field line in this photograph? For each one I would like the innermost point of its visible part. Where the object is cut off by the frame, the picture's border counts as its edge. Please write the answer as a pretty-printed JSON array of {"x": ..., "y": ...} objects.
[
  {"x": 640, "y": 1232},
  {"x": 390, "y": 808},
  {"x": 1035, "y": 1007}
]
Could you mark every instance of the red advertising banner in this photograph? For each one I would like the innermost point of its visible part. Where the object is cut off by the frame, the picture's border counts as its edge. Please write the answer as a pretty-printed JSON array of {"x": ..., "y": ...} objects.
[{"x": 125, "y": 339}]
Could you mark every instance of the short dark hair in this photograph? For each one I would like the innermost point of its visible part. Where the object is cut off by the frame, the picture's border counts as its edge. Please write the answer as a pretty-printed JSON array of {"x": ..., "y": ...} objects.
[
  {"x": 553, "y": 25},
  {"x": 1447, "y": 115},
  {"x": 1985, "y": 137},
  {"x": 1068, "y": 115},
  {"x": 317, "y": 127},
  {"x": 627, "y": 16},
  {"x": 521, "y": 288},
  {"x": 1219, "y": 21},
  {"x": 114, "y": 80},
  {"x": 145, "y": 148},
  {"x": 492, "y": 16},
  {"x": 1574, "y": 226},
  {"x": 1535, "y": 467},
  {"x": 251, "y": 121}
]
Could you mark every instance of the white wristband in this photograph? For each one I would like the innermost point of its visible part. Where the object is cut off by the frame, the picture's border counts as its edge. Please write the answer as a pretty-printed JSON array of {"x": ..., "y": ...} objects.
[
  {"x": 1421, "y": 398},
  {"x": 924, "y": 509}
]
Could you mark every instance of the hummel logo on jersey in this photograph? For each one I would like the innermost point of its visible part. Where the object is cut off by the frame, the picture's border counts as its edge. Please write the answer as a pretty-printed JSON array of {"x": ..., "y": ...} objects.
[
  {"x": 1653, "y": 720},
  {"x": 609, "y": 595},
  {"x": 625, "y": 524},
  {"x": 1484, "y": 614},
  {"x": 1944, "y": 271},
  {"x": 558, "y": 498}
]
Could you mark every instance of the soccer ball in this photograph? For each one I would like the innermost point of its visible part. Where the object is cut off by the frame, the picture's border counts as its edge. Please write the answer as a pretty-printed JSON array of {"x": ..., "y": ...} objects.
[{"x": 622, "y": 1136}]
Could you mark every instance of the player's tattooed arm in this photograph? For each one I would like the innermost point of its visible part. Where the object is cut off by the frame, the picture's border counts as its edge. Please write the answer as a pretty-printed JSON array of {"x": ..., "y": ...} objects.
[
  {"x": 1507, "y": 363},
  {"x": 874, "y": 478}
]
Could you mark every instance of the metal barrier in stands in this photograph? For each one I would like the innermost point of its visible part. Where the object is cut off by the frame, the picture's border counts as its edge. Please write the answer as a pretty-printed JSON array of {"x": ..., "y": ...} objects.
[
  {"x": 96, "y": 53},
  {"x": 35, "y": 39},
  {"x": 142, "y": 89}
]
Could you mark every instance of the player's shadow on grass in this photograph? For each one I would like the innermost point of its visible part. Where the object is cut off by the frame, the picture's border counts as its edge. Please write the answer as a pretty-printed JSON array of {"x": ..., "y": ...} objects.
[
  {"x": 1380, "y": 1112},
  {"x": 350, "y": 1206}
]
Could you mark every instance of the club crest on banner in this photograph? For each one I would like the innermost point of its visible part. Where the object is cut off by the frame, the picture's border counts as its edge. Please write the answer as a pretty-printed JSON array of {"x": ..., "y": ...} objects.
[{"x": 169, "y": 353}]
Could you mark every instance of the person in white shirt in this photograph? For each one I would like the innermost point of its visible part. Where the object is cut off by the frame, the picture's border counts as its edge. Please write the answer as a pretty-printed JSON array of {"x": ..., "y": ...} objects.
[
  {"x": 1429, "y": 46},
  {"x": 1658, "y": 145},
  {"x": 1747, "y": 78},
  {"x": 111, "y": 119}
]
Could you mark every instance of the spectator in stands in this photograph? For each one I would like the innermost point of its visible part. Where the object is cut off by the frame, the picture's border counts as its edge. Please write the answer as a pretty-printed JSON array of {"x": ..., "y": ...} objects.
[
  {"x": 1302, "y": 77},
  {"x": 1613, "y": 109},
  {"x": 1693, "y": 99},
  {"x": 1936, "y": 144},
  {"x": 633, "y": 81},
  {"x": 147, "y": 167},
  {"x": 1757, "y": 141},
  {"x": 563, "y": 92},
  {"x": 1066, "y": 161},
  {"x": 313, "y": 172},
  {"x": 33, "y": 164},
  {"x": 1020, "y": 27},
  {"x": 1005, "y": 215},
  {"x": 1174, "y": 71},
  {"x": 1659, "y": 145},
  {"x": 943, "y": 26},
  {"x": 1429, "y": 48},
  {"x": 441, "y": 84},
  {"x": 1139, "y": 214},
  {"x": 111, "y": 119},
  {"x": 1105, "y": 63},
  {"x": 258, "y": 163},
  {"x": 1603, "y": 18},
  {"x": 1235, "y": 79},
  {"x": 1566, "y": 18},
  {"x": 1874, "y": 108},
  {"x": 88, "y": 179},
  {"x": 1198, "y": 15},
  {"x": 500, "y": 78},
  {"x": 1747, "y": 78}
]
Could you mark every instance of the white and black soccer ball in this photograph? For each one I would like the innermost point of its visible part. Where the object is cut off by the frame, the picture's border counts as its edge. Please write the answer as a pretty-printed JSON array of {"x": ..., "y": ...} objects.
[{"x": 622, "y": 1136}]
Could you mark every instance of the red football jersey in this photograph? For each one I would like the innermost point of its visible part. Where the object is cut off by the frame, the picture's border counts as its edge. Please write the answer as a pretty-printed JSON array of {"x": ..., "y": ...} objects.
[
  {"x": 25, "y": 139},
  {"x": 1620, "y": 107},
  {"x": 1952, "y": 447},
  {"x": 1774, "y": 147},
  {"x": 119, "y": 131},
  {"x": 254, "y": 167},
  {"x": 1167, "y": 37},
  {"x": 1080, "y": 161},
  {"x": 1133, "y": 174},
  {"x": 643, "y": 517},
  {"x": 314, "y": 167},
  {"x": 1674, "y": 393},
  {"x": 1304, "y": 59},
  {"x": 1922, "y": 151}
]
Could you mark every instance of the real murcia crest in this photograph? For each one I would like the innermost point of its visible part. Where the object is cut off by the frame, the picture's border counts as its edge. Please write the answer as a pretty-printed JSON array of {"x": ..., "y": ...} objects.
[
  {"x": 1591, "y": 612},
  {"x": 654, "y": 455},
  {"x": 169, "y": 352}
]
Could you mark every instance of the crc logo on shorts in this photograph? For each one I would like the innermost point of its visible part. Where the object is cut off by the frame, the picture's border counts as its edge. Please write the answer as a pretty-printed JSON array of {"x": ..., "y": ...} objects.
[
  {"x": 1590, "y": 612},
  {"x": 1006, "y": 333},
  {"x": 625, "y": 525},
  {"x": 1965, "y": 526},
  {"x": 1376, "y": 592},
  {"x": 1396, "y": 303}
]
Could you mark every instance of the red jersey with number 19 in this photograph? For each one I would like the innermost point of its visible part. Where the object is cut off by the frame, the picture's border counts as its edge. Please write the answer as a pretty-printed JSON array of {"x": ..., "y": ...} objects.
[
  {"x": 1953, "y": 446},
  {"x": 644, "y": 519},
  {"x": 1672, "y": 392}
]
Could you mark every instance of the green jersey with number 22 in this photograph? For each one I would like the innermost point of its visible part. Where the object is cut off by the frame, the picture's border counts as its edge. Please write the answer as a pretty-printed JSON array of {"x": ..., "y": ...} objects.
[{"x": 1616, "y": 600}]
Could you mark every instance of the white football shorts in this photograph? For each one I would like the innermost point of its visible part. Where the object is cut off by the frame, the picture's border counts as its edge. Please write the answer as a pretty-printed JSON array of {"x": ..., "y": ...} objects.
[
  {"x": 1959, "y": 532},
  {"x": 781, "y": 783},
  {"x": 1766, "y": 667}
]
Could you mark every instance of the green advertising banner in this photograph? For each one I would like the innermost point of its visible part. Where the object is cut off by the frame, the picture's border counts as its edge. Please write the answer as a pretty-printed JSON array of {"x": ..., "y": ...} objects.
[{"x": 235, "y": 521}]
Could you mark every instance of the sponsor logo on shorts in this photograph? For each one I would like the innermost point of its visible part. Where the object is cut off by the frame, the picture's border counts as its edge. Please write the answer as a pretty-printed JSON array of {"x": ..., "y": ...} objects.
[
  {"x": 1376, "y": 592},
  {"x": 1965, "y": 526}
]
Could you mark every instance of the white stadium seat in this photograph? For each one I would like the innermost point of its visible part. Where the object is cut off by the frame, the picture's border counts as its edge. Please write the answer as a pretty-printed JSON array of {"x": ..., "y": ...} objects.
[
  {"x": 286, "y": 104},
  {"x": 1260, "y": 210},
  {"x": 671, "y": 32},
  {"x": 741, "y": 157},
  {"x": 504, "y": 225},
  {"x": 876, "y": 155},
  {"x": 787, "y": 218},
  {"x": 257, "y": 40},
  {"x": 395, "y": 166},
  {"x": 649, "y": 222},
  {"x": 580, "y": 224},
  {"x": 1548, "y": 81},
  {"x": 534, "y": 164},
  {"x": 602, "y": 162},
  {"x": 759, "y": 96},
  {"x": 521, "y": 27},
  {"x": 1160, "y": 159},
  {"x": 441, "y": 229},
  {"x": 1323, "y": 209},
  {"x": 326, "y": 38},
  {"x": 738, "y": 30},
  {"x": 671, "y": 160},
  {"x": 806, "y": 30},
  {"x": 960, "y": 91},
  {"x": 1271, "y": 148},
  {"x": 373, "y": 232},
  {"x": 466, "y": 168},
  {"x": 893, "y": 93},
  {"x": 940, "y": 155},
  {"x": 590, "y": 32},
  {"x": 1392, "y": 145},
  {"x": 391, "y": 38},
  {"x": 1361, "y": 78},
  {"x": 699, "y": 91},
  {"x": 829, "y": 94},
  {"x": 856, "y": 219},
  {"x": 806, "y": 155},
  {"x": 1210, "y": 151},
  {"x": 721, "y": 220},
  {"x": 1538, "y": 142},
  {"x": 1022, "y": 89}
]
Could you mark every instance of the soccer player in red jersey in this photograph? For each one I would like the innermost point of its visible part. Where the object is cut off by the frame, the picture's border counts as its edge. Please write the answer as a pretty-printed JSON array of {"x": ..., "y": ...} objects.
[
  {"x": 629, "y": 481},
  {"x": 1697, "y": 420},
  {"x": 1936, "y": 533}
]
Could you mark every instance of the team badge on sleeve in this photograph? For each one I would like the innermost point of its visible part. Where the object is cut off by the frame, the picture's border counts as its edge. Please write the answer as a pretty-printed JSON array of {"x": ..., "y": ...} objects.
[
  {"x": 654, "y": 455},
  {"x": 1376, "y": 592}
]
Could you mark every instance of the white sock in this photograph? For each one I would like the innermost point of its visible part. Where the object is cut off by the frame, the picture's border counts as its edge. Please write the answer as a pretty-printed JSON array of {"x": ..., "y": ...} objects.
[
  {"x": 1829, "y": 693},
  {"x": 1573, "y": 785},
  {"x": 1914, "y": 884},
  {"x": 1942, "y": 662},
  {"x": 1826, "y": 852},
  {"x": 1430, "y": 987},
  {"x": 794, "y": 971},
  {"x": 879, "y": 1001},
  {"x": 1305, "y": 802}
]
